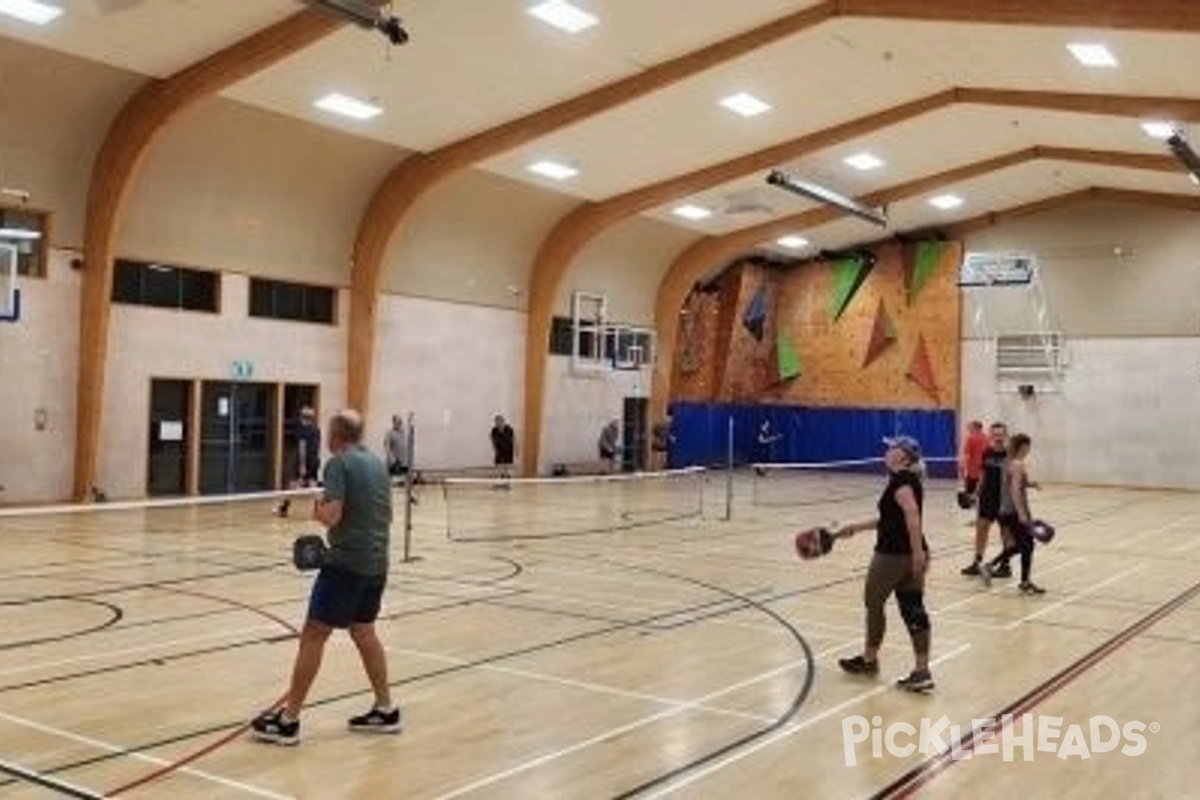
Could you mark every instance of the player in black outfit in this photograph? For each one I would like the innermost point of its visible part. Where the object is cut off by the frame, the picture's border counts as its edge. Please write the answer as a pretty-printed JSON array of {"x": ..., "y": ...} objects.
[
  {"x": 504, "y": 446},
  {"x": 899, "y": 565},
  {"x": 995, "y": 459},
  {"x": 307, "y": 436}
]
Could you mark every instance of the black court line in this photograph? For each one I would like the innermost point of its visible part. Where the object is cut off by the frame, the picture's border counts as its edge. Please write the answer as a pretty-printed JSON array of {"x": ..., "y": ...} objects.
[
  {"x": 912, "y": 781},
  {"x": 455, "y": 668},
  {"x": 29, "y": 776},
  {"x": 115, "y": 615},
  {"x": 406, "y": 681},
  {"x": 793, "y": 708}
]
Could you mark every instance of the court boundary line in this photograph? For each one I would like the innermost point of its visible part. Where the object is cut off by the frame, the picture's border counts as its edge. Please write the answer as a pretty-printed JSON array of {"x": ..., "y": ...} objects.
[
  {"x": 913, "y": 780},
  {"x": 785, "y": 732},
  {"x": 590, "y": 686},
  {"x": 46, "y": 782},
  {"x": 136, "y": 756},
  {"x": 695, "y": 704}
]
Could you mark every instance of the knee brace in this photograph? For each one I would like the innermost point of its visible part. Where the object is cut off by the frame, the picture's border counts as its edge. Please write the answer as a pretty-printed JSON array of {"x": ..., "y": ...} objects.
[{"x": 912, "y": 610}]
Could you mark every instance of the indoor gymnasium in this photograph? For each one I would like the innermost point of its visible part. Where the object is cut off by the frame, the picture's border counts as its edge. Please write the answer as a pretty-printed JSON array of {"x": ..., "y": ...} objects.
[{"x": 607, "y": 399}]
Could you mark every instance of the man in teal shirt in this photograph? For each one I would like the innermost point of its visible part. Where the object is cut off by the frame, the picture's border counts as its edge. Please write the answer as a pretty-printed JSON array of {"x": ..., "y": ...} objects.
[{"x": 356, "y": 510}]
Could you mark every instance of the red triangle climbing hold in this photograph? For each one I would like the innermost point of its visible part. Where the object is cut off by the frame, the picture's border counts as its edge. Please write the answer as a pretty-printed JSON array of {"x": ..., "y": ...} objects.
[
  {"x": 920, "y": 369},
  {"x": 883, "y": 334}
]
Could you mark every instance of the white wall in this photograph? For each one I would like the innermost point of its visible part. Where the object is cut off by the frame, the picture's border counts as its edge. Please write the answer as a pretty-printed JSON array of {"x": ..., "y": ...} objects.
[
  {"x": 38, "y": 366},
  {"x": 626, "y": 265},
  {"x": 473, "y": 238},
  {"x": 578, "y": 407},
  {"x": 1126, "y": 411},
  {"x": 455, "y": 366},
  {"x": 147, "y": 343},
  {"x": 246, "y": 190},
  {"x": 1107, "y": 269}
]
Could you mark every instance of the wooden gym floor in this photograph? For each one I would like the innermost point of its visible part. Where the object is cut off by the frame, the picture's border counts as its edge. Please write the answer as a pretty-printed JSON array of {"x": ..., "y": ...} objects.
[{"x": 667, "y": 660}]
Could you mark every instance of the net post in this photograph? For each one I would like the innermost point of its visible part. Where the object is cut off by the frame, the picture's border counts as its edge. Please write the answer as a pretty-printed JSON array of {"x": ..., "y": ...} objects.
[
  {"x": 729, "y": 471},
  {"x": 410, "y": 447}
]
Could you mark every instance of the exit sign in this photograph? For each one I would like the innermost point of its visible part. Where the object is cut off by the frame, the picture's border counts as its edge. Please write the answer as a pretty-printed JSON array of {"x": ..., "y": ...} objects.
[{"x": 242, "y": 369}]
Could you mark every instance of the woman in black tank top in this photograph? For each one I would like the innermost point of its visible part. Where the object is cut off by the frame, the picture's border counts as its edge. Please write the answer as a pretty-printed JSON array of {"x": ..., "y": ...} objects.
[{"x": 898, "y": 565}]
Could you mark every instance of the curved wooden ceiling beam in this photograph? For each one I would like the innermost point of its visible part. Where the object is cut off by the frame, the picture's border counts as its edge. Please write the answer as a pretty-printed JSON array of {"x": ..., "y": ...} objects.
[
  {"x": 700, "y": 257},
  {"x": 573, "y": 232},
  {"x": 143, "y": 117},
  {"x": 1181, "y": 202},
  {"x": 417, "y": 174},
  {"x": 1146, "y": 15}
]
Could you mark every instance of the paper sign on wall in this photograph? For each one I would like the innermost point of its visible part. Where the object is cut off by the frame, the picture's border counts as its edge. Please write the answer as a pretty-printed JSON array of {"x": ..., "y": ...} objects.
[{"x": 170, "y": 431}]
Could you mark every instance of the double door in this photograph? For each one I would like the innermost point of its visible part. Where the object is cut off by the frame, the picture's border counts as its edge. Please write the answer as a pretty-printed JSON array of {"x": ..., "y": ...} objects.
[{"x": 222, "y": 437}]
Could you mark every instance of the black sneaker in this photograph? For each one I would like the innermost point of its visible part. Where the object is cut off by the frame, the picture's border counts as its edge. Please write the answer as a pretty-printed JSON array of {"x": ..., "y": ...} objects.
[
  {"x": 859, "y": 666},
  {"x": 377, "y": 721},
  {"x": 916, "y": 682},
  {"x": 270, "y": 726},
  {"x": 1003, "y": 570},
  {"x": 1029, "y": 587},
  {"x": 973, "y": 569}
]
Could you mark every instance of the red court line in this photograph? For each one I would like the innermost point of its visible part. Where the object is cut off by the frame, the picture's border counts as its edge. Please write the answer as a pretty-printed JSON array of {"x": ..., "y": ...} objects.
[
  {"x": 237, "y": 732},
  {"x": 911, "y": 782}
]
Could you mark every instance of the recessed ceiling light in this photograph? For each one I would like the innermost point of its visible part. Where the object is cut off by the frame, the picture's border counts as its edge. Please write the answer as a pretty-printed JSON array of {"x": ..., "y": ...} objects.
[
  {"x": 692, "y": 212},
  {"x": 337, "y": 103},
  {"x": 946, "y": 201},
  {"x": 1092, "y": 55},
  {"x": 34, "y": 11},
  {"x": 553, "y": 169},
  {"x": 863, "y": 161},
  {"x": 746, "y": 104},
  {"x": 1157, "y": 129},
  {"x": 563, "y": 16},
  {"x": 792, "y": 242}
]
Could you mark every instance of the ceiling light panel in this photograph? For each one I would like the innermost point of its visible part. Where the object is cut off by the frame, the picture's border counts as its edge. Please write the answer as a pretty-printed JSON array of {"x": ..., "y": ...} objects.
[
  {"x": 746, "y": 104},
  {"x": 554, "y": 170},
  {"x": 1157, "y": 129},
  {"x": 563, "y": 16},
  {"x": 33, "y": 11},
  {"x": 346, "y": 106},
  {"x": 946, "y": 202},
  {"x": 863, "y": 161},
  {"x": 692, "y": 212},
  {"x": 1093, "y": 55}
]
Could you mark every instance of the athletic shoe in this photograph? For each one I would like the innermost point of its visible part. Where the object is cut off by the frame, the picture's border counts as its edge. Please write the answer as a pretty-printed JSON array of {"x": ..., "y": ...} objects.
[
  {"x": 377, "y": 721},
  {"x": 973, "y": 569},
  {"x": 916, "y": 682},
  {"x": 859, "y": 666},
  {"x": 986, "y": 573},
  {"x": 1002, "y": 570},
  {"x": 1028, "y": 587},
  {"x": 270, "y": 726}
]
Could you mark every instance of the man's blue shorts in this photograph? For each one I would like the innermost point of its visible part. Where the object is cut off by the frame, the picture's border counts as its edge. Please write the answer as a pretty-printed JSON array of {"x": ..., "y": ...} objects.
[{"x": 341, "y": 598}]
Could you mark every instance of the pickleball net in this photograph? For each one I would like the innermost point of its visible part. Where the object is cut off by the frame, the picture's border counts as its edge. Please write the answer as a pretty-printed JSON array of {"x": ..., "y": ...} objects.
[
  {"x": 785, "y": 485},
  {"x": 486, "y": 509}
]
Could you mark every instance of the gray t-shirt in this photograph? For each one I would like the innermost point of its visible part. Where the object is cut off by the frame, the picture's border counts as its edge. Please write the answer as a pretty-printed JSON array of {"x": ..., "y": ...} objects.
[
  {"x": 359, "y": 542},
  {"x": 1011, "y": 503},
  {"x": 395, "y": 444}
]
